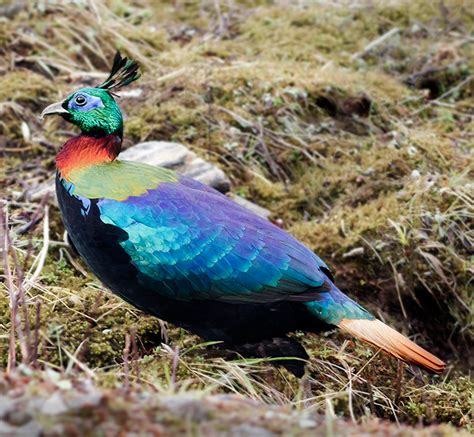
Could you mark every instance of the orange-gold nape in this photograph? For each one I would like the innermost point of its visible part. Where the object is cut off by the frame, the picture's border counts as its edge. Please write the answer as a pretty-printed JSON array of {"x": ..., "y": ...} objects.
[{"x": 379, "y": 334}]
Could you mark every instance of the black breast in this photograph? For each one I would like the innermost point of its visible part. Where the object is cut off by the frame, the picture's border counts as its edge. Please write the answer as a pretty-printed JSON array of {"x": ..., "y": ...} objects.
[{"x": 96, "y": 241}]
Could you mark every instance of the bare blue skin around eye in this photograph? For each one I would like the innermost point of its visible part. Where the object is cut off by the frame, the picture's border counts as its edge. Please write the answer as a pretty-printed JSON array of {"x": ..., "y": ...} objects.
[{"x": 92, "y": 102}]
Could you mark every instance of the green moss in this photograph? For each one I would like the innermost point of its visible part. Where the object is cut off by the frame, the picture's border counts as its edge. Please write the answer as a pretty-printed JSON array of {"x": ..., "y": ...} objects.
[
  {"x": 22, "y": 94},
  {"x": 25, "y": 87},
  {"x": 446, "y": 402}
]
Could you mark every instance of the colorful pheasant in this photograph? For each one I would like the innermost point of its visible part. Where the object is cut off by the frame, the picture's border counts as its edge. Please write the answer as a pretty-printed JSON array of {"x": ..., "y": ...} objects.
[{"x": 185, "y": 253}]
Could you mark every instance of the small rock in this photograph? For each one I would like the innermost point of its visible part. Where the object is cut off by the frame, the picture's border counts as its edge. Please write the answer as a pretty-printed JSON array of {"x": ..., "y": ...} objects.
[
  {"x": 31, "y": 429},
  {"x": 187, "y": 406},
  {"x": 307, "y": 423},
  {"x": 368, "y": 172},
  {"x": 179, "y": 158},
  {"x": 256, "y": 209},
  {"x": 296, "y": 93},
  {"x": 54, "y": 405},
  {"x": 415, "y": 28},
  {"x": 53, "y": 375},
  {"x": 208, "y": 174},
  {"x": 25, "y": 131},
  {"x": 6, "y": 405},
  {"x": 9, "y": 11},
  {"x": 159, "y": 153},
  {"x": 64, "y": 384},
  {"x": 415, "y": 174},
  {"x": 87, "y": 400},
  {"x": 280, "y": 223},
  {"x": 354, "y": 252},
  {"x": 42, "y": 190},
  {"x": 133, "y": 93},
  {"x": 18, "y": 416},
  {"x": 24, "y": 370},
  {"x": 246, "y": 430}
]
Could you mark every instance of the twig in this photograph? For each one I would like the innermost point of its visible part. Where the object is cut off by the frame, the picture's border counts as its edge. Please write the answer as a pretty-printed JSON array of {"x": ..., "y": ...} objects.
[
  {"x": 73, "y": 262},
  {"x": 17, "y": 298},
  {"x": 34, "y": 355},
  {"x": 70, "y": 257},
  {"x": 27, "y": 226},
  {"x": 174, "y": 365},
  {"x": 452, "y": 90},
  {"x": 221, "y": 26},
  {"x": 126, "y": 369},
  {"x": 399, "y": 381},
  {"x": 375, "y": 43},
  {"x": 135, "y": 357},
  {"x": 397, "y": 286},
  {"x": 78, "y": 363},
  {"x": 43, "y": 253},
  {"x": 11, "y": 364}
]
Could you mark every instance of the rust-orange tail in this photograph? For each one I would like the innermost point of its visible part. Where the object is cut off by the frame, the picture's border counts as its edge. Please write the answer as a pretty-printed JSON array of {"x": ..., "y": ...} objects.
[{"x": 379, "y": 334}]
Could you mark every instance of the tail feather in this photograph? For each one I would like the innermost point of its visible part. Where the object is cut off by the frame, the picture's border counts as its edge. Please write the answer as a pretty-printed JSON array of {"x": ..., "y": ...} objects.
[{"x": 379, "y": 334}]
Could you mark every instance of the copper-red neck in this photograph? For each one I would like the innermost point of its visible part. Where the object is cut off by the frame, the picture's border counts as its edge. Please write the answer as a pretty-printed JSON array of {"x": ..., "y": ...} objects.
[{"x": 84, "y": 150}]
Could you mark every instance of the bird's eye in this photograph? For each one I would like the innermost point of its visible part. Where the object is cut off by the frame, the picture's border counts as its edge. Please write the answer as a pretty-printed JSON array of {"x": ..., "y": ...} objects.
[{"x": 80, "y": 100}]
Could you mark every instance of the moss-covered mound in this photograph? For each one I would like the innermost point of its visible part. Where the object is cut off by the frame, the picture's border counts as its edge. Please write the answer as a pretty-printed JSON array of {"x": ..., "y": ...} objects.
[{"x": 53, "y": 405}]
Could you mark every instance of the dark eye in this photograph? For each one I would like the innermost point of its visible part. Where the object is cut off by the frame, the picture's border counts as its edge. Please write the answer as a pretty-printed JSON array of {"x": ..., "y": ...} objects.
[{"x": 80, "y": 100}]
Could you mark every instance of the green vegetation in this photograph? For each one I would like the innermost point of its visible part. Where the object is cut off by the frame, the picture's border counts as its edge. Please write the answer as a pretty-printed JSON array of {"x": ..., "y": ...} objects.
[{"x": 365, "y": 154}]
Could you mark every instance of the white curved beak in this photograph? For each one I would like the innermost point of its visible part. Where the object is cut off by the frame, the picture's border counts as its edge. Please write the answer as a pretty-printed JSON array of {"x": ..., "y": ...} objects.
[{"x": 55, "y": 108}]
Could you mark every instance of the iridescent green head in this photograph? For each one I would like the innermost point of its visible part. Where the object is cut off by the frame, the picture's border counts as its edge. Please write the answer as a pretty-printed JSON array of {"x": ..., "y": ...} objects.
[{"x": 94, "y": 110}]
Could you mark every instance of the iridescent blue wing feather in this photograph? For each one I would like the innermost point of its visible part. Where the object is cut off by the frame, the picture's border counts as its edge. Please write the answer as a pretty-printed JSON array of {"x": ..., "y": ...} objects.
[{"x": 190, "y": 242}]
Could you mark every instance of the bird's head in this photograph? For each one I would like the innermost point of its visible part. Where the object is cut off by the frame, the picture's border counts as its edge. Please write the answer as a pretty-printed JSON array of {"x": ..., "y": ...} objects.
[{"x": 94, "y": 110}]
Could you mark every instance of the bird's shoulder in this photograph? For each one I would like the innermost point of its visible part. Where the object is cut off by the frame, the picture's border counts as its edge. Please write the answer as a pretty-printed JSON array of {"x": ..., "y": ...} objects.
[{"x": 119, "y": 180}]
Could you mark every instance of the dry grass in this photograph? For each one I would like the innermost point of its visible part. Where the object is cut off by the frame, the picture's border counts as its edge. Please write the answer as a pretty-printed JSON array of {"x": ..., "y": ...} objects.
[{"x": 362, "y": 151}]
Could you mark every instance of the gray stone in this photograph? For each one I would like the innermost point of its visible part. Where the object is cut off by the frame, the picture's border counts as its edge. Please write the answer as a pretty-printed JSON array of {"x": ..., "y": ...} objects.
[
  {"x": 54, "y": 405},
  {"x": 6, "y": 405},
  {"x": 31, "y": 429},
  {"x": 39, "y": 192},
  {"x": 86, "y": 400},
  {"x": 18, "y": 416},
  {"x": 253, "y": 207},
  {"x": 170, "y": 155},
  {"x": 248, "y": 430},
  {"x": 187, "y": 406},
  {"x": 179, "y": 158},
  {"x": 357, "y": 251}
]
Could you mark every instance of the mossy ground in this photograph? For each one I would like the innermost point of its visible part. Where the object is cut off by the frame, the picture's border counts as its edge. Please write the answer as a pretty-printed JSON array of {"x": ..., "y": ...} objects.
[{"x": 365, "y": 156}]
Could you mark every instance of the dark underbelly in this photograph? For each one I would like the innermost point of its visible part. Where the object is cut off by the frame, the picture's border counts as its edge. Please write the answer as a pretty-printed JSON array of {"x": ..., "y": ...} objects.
[{"x": 99, "y": 245}]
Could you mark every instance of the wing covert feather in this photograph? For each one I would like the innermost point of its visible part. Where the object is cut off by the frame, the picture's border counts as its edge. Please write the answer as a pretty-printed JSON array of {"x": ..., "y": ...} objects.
[{"x": 192, "y": 242}]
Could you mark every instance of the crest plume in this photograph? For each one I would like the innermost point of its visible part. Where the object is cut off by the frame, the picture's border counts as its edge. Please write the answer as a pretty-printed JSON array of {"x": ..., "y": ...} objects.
[{"x": 123, "y": 72}]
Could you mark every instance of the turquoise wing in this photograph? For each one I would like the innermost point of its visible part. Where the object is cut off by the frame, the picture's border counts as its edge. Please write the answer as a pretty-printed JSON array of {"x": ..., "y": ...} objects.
[{"x": 188, "y": 241}]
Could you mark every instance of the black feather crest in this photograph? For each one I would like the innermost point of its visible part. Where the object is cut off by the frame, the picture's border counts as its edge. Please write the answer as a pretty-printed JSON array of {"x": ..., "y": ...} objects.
[{"x": 123, "y": 72}]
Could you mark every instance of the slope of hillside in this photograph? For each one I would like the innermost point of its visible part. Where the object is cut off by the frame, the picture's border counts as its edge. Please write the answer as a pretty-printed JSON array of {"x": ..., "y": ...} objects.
[{"x": 351, "y": 121}]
